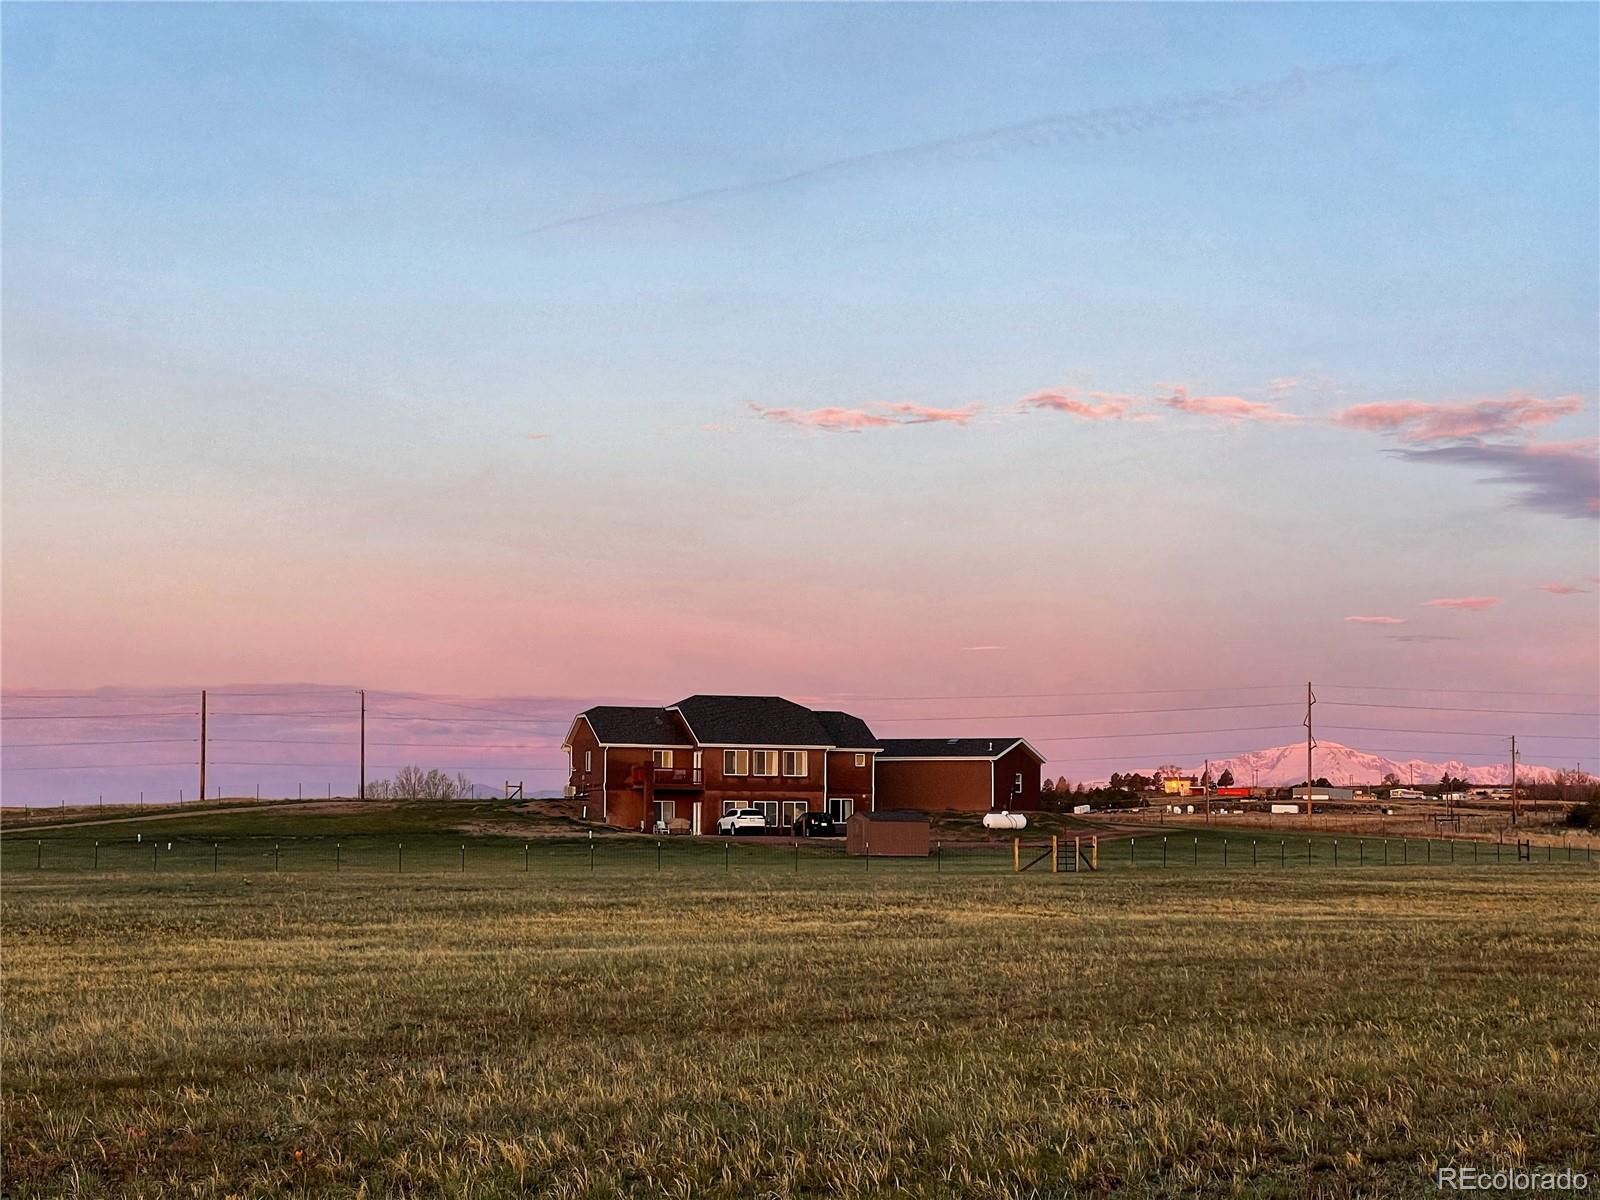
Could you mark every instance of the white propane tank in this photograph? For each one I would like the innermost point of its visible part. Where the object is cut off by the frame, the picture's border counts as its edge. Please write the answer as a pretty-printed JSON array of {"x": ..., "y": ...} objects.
[{"x": 1004, "y": 820}]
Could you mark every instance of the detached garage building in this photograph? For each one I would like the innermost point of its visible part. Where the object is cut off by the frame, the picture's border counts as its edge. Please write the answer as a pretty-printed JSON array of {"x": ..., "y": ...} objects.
[{"x": 958, "y": 775}]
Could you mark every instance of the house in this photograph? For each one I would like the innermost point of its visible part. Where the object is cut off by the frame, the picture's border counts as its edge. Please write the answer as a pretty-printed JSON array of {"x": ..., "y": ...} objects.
[
  {"x": 1180, "y": 785},
  {"x": 706, "y": 755},
  {"x": 1321, "y": 794},
  {"x": 958, "y": 774}
]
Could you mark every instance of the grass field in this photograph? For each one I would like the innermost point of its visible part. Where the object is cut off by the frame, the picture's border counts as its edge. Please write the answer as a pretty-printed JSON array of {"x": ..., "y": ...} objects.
[{"x": 760, "y": 1030}]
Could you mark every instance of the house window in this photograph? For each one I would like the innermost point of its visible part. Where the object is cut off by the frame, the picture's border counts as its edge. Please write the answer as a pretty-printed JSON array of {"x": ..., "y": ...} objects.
[
  {"x": 736, "y": 762},
  {"x": 665, "y": 812},
  {"x": 662, "y": 758},
  {"x": 794, "y": 762},
  {"x": 729, "y": 806},
  {"x": 792, "y": 810},
  {"x": 588, "y": 761},
  {"x": 861, "y": 760},
  {"x": 764, "y": 762}
]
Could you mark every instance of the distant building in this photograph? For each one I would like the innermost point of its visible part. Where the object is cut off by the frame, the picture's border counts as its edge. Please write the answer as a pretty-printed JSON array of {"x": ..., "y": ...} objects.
[
  {"x": 1180, "y": 785},
  {"x": 1321, "y": 795}
]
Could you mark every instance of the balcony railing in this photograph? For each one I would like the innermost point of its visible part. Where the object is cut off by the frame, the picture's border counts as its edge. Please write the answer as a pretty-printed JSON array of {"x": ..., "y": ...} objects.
[{"x": 667, "y": 777}]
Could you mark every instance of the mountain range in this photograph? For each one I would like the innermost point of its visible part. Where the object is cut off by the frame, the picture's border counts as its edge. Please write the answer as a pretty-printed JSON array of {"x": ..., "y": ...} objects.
[{"x": 1285, "y": 766}]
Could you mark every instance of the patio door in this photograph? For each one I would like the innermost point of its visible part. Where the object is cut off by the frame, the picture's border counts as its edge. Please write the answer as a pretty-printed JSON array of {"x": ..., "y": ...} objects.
[
  {"x": 841, "y": 807},
  {"x": 770, "y": 808},
  {"x": 792, "y": 810}
]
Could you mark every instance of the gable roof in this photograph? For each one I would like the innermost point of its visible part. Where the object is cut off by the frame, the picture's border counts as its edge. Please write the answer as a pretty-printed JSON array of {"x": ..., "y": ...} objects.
[
  {"x": 753, "y": 720},
  {"x": 615, "y": 725},
  {"x": 846, "y": 731},
  {"x": 952, "y": 747}
]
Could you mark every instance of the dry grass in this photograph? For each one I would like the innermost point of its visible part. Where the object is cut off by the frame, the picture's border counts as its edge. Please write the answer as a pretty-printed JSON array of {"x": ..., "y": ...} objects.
[{"x": 1142, "y": 1034}]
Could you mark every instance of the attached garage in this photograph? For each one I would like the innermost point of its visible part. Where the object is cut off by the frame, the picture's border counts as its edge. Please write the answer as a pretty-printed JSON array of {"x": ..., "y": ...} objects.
[{"x": 958, "y": 775}]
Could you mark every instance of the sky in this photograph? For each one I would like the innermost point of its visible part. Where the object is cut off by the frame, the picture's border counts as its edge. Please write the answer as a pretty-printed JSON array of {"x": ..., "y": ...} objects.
[{"x": 566, "y": 354}]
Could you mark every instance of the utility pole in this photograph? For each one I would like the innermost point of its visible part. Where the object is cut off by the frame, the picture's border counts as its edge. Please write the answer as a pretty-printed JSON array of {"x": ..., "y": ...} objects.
[
  {"x": 363, "y": 743},
  {"x": 1310, "y": 742},
  {"x": 1205, "y": 781},
  {"x": 202, "y": 743},
  {"x": 1516, "y": 810}
]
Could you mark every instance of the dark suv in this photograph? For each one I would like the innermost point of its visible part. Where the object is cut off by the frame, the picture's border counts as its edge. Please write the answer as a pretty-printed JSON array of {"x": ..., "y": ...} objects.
[{"x": 817, "y": 824}]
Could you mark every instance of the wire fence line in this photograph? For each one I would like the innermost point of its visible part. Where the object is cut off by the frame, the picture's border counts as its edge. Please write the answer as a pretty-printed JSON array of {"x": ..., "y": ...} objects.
[{"x": 429, "y": 854}]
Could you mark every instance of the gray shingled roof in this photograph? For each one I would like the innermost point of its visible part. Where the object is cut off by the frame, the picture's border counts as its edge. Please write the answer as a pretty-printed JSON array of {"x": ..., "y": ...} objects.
[
  {"x": 752, "y": 720},
  {"x": 846, "y": 731},
  {"x": 615, "y": 725},
  {"x": 946, "y": 747}
]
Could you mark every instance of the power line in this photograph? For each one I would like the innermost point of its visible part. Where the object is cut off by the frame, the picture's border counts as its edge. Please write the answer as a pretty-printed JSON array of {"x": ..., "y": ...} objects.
[
  {"x": 1373, "y": 687},
  {"x": 1521, "y": 712},
  {"x": 1094, "y": 737},
  {"x": 1126, "y": 712},
  {"x": 95, "y": 716},
  {"x": 93, "y": 766},
  {"x": 111, "y": 742},
  {"x": 1566, "y": 737},
  {"x": 1262, "y": 687}
]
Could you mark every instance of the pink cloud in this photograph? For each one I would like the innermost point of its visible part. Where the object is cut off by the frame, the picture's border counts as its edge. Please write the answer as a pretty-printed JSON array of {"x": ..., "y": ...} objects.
[
  {"x": 917, "y": 414},
  {"x": 1563, "y": 589},
  {"x": 1467, "y": 603},
  {"x": 879, "y": 416},
  {"x": 1416, "y": 421},
  {"x": 1376, "y": 620},
  {"x": 1229, "y": 408},
  {"x": 833, "y": 419},
  {"x": 1101, "y": 406}
]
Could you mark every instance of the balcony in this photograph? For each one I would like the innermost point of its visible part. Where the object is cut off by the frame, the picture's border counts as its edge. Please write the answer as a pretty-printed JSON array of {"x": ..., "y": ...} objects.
[{"x": 667, "y": 778}]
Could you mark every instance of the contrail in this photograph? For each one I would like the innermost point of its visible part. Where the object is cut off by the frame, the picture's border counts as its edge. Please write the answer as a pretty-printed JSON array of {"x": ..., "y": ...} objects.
[{"x": 1087, "y": 126}]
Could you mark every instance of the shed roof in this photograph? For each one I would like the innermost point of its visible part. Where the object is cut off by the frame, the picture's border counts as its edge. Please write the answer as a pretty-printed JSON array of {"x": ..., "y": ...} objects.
[{"x": 897, "y": 814}]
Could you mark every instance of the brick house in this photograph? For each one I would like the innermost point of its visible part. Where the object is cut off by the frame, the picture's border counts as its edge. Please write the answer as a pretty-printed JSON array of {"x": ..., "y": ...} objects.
[
  {"x": 705, "y": 755},
  {"x": 958, "y": 774}
]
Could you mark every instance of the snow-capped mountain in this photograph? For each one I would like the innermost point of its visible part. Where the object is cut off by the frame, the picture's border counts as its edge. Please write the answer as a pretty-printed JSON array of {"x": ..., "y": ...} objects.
[{"x": 1285, "y": 766}]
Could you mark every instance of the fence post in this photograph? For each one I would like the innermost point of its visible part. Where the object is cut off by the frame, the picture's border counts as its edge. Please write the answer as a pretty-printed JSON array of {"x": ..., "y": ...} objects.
[
  {"x": 591, "y": 852},
  {"x": 400, "y": 858},
  {"x": 1077, "y": 854},
  {"x": 1197, "y": 850},
  {"x": 1055, "y": 854},
  {"x": 213, "y": 858},
  {"x": 462, "y": 870},
  {"x": 1428, "y": 842},
  {"x": 338, "y": 856},
  {"x": 1255, "y": 859},
  {"x": 524, "y": 858},
  {"x": 274, "y": 856},
  {"x": 155, "y": 855},
  {"x": 938, "y": 858},
  {"x": 867, "y": 846},
  {"x": 39, "y": 862},
  {"x": 1163, "y": 851},
  {"x": 1283, "y": 853},
  {"x": 97, "y": 854},
  {"x": 1308, "y": 852},
  {"x": 1361, "y": 853},
  {"x": 1336, "y": 852},
  {"x": 1405, "y": 853},
  {"x": 1016, "y": 855},
  {"x": 1224, "y": 852},
  {"x": 796, "y": 856},
  {"x": 1094, "y": 852},
  {"x": 658, "y": 858},
  {"x": 724, "y": 858},
  {"x": 1132, "y": 861}
]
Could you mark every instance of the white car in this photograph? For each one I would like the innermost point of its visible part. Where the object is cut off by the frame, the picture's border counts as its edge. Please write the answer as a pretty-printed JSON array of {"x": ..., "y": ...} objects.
[{"x": 742, "y": 820}]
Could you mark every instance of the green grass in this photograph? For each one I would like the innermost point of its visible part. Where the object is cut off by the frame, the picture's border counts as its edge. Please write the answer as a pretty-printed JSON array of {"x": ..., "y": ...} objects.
[{"x": 756, "y": 1030}]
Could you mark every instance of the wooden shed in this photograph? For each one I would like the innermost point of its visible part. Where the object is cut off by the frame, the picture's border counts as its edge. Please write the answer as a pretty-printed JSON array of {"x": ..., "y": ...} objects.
[{"x": 888, "y": 834}]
